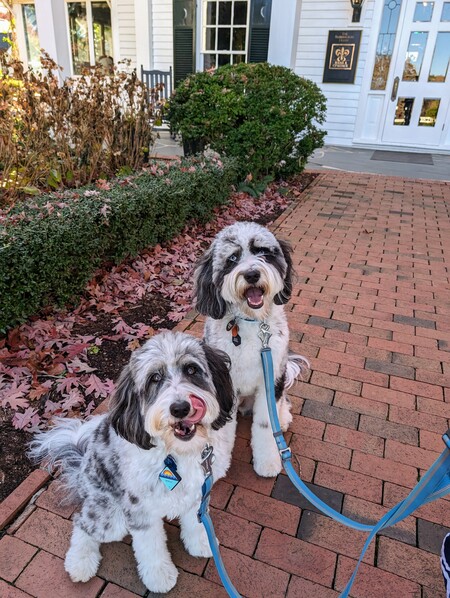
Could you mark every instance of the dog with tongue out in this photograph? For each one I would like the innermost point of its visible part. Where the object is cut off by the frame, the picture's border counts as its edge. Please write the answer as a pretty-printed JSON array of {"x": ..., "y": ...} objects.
[{"x": 245, "y": 279}]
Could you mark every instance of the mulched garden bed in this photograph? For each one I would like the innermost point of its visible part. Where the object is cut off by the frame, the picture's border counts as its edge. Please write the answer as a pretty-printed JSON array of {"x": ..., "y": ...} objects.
[{"x": 47, "y": 365}]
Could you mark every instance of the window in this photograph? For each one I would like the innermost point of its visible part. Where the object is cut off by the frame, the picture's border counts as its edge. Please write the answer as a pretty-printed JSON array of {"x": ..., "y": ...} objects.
[
  {"x": 235, "y": 31},
  {"x": 385, "y": 45},
  {"x": 31, "y": 35},
  {"x": 226, "y": 32},
  {"x": 90, "y": 34}
]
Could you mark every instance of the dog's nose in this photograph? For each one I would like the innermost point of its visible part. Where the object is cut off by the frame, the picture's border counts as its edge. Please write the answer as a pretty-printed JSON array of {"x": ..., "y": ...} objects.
[
  {"x": 252, "y": 276},
  {"x": 180, "y": 409}
]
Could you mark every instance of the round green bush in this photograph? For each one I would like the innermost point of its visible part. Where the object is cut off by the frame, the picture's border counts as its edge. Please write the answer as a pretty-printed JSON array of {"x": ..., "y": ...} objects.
[{"x": 265, "y": 115}]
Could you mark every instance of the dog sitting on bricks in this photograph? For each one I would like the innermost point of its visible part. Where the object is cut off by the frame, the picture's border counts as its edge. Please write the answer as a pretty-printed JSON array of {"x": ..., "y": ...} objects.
[
  {"x": 245, "y": 279},
  {"x": 141, "y": 461}
]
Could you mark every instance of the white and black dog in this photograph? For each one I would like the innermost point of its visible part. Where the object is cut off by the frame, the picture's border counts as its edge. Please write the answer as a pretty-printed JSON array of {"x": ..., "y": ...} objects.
[
  {"x": 243, "y": 279},
  {"x": 173, "y": 398}
]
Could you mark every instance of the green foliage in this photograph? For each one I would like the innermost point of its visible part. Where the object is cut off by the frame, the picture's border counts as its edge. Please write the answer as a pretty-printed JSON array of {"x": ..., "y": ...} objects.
[
  {"x": 55, "y": 135},
  {"x": 265, "y": 115},
  {"x": 51, "y": 245}
]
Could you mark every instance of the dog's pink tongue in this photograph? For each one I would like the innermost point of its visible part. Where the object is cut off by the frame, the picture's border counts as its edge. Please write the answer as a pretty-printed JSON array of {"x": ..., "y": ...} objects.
[
  {"x": 199, "y": 410},
  {"x": 254, "y": 297}
]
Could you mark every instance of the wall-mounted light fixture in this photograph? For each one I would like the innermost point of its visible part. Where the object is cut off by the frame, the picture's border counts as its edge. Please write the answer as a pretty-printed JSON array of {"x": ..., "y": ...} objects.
[{"x": 357, "y": 6}]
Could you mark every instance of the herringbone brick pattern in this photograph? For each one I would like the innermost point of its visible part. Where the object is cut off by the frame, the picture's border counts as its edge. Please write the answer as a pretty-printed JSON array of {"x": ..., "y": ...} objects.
[{"x": 371, "y": 311}]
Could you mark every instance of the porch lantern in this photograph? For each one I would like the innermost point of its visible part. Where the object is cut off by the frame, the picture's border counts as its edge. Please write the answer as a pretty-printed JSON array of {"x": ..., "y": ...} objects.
[{"x": 357, "y": 6}]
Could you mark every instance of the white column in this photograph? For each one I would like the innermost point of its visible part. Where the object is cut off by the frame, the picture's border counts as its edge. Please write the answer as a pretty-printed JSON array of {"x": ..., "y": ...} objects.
[
  {"x": 143, "y": 16},
  {"x": 284, "y": 23},
  {"x": 52, "y": 29}
]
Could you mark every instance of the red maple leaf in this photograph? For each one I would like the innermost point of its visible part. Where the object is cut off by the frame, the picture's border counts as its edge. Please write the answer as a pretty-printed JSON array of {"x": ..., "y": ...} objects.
[{"x": 93, "y": 385}]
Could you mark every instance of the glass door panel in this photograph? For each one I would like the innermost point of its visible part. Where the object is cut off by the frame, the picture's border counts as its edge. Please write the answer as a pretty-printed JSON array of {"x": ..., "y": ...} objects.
[
  {"x": 423, "y": 12},
  {"x": 429, "y": 112},
  {"x": 414, "y": 55},
  {"x": 445, "y": 17},
  {"x": 441, "y": 58},
  {"x": 403, "y": 112}
]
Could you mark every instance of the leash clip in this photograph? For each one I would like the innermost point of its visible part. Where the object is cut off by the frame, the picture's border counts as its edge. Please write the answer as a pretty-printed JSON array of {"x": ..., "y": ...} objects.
[
  {"x": 285, "y": 453},
  {"x": 264, "y": 334},
  {"x": 207, "y": 457}
]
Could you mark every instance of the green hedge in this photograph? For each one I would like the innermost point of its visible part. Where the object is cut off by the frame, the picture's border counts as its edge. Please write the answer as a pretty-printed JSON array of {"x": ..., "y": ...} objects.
[
  {"x": 51, "y": 246},
  {"x": 265, "y": 115}
]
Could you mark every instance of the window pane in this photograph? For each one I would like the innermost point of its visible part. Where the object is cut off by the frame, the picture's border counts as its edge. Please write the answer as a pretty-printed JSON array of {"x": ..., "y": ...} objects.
[
  {"x": 261, "y": 10},
  {"x": 210, "y": 41},
  {"x": 414, "y": 55},
  {"x": 429, "y": 112},
  {"x": 211, "y": 13},
  {"x": 78, "y": 31},
  {"x": 239, "y": 38},
  {"x": 423, "y": 12},
  {"x": 31, "y": 35},
  {"x": 403, "y": 111},
  {"x": 101, "y": 21},
  {"x": 441, "y": 58},
  {"x": 238, "y": 58},
  {"x": 224, "y": 13},
  {"x": 240, "y": 13},
  {"x": 209, "y": 61},
  {"x": 224, "y": 59},
  {"x": 223, "y": 39},
  {"x": 445, "y": 12},
  {"x": 385, "y": 45}
]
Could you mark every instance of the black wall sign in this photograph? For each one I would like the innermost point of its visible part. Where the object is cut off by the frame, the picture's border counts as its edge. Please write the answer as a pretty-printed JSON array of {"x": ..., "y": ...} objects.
[{"x": 342, "y": 56}]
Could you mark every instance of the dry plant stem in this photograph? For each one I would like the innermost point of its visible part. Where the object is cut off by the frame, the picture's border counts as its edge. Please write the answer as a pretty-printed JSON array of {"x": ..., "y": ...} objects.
[{"x": 55, "y": 135}]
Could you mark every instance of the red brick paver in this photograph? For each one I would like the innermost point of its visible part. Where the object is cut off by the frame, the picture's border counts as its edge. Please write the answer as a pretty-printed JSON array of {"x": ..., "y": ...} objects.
[{"x": 371, "y": 311}]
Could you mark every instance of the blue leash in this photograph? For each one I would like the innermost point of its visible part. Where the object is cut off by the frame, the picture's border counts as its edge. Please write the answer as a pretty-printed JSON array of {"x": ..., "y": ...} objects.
[
  {"x": 204, "y": 517},
  {"x": 434, "y": 484}
]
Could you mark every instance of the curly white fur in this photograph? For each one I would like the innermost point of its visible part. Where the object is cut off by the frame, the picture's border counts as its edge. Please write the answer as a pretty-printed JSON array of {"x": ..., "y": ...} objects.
[
  {"x": 173, "y": 397},
  {"x": 245, "y": 278}
]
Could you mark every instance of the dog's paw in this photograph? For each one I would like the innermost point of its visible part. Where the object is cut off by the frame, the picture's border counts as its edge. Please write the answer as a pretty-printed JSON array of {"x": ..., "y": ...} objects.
[
  {"x": 267, "y": 468},
  {"x": 198, "y": 545},
  {"x": 82, "y": 566},
  {"x": 159, "y": 577}
]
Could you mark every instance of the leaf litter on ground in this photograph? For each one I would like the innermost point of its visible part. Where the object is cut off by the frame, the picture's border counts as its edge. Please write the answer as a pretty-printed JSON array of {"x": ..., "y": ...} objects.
[{"x": 44, "y": 363}]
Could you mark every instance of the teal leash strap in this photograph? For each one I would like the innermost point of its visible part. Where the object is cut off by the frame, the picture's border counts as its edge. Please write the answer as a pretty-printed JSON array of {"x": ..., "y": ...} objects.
[
  {"x": 434, "y": 484},
  {"x": 286, "y": 455},
  {"x": 205, "y": 519}
]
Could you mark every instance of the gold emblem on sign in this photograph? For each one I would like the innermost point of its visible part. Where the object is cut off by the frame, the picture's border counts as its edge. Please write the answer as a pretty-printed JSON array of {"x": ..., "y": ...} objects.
[{"x": 341, "y": 57}]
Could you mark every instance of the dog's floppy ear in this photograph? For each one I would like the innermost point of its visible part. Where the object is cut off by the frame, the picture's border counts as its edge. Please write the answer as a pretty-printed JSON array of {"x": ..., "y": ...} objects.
[
  {"x": 283, "y": 296},
  {"x": 125, "y": 412},
  {"x": 208, "y": 300},
  {"x": 219, "y": 366}
]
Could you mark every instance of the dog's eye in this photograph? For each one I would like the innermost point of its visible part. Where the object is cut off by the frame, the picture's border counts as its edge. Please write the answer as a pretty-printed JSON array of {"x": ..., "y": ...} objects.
[
  {"x": 191, "y": 370},
  {"x": 156, "y": 377},
  {"x": 233, "y": 258},
  {"x": 264, "y": 251}
]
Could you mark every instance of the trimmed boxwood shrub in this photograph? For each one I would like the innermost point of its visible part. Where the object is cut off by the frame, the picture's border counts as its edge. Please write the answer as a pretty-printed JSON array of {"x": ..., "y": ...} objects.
[
  {"x": 51, "y": 246},
  {"x": 265, "y": 115}
]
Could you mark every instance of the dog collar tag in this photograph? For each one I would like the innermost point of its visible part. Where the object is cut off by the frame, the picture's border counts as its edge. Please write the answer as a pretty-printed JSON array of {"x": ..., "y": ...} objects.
[
  {"x": 233, "y": 326},
  {"x": 169, "y": 476}
]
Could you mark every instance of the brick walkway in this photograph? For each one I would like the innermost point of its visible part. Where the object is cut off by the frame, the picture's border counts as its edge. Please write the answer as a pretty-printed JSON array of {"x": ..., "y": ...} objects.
[{"x": 371, "y": 311}]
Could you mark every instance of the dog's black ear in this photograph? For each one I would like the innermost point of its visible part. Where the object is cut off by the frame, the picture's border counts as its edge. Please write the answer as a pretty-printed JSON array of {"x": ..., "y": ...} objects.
[
  {"x": 125, "y": 412},
  {"x": 219, "y": 366},
  {"x": 283, "y": 296},
  {"x": 208, "y": 300}
]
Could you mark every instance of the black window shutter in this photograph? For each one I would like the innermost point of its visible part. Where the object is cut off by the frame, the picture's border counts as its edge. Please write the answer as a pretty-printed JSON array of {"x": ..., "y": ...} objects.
[
  {"x": 259, "y": 30},
  {"x": 183, "y": 39}
]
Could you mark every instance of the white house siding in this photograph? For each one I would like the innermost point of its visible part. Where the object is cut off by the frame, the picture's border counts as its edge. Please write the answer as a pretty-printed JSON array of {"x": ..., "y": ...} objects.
[
  {"x": 125, "y": 33},
  {"x": 162, "y": 34},
  {"x": 317, "y": 17}
]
